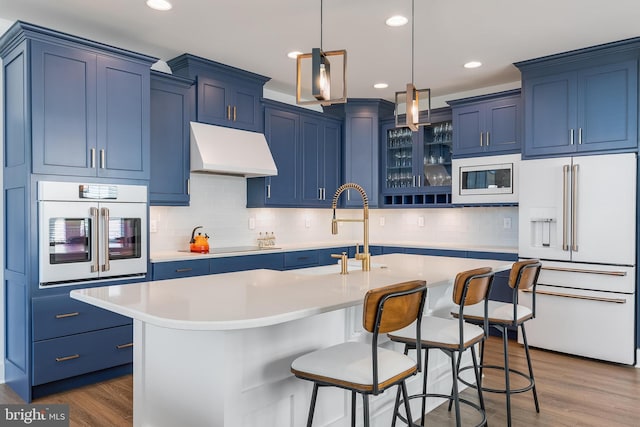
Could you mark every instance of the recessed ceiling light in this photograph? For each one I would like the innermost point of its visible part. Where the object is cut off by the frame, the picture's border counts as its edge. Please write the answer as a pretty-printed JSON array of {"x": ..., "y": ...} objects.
[
  {"x": 381, "y": 85},
  {"x": 473, "y": 64},
  {"x": 159, "y": 4},
  {"x": 396, "y": 21},
  {"x": 294, "y": 54}
]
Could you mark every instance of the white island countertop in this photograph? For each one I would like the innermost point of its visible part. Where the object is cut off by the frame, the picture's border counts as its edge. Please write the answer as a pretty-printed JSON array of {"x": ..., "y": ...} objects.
[{"x": 257, "y": 298}]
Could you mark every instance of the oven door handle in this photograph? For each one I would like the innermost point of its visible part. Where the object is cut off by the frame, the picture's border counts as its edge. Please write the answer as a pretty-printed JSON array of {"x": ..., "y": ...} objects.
[
  {"x": 95, "y": 261},
  {"x": 575, "y": 296},
  {"x": 105, "y": 238}
]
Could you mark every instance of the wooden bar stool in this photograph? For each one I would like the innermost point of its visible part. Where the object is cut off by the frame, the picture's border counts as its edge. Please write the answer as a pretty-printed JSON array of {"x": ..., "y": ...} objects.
[
  {"x": 523, "y": 277},
  {"x": 453, "y": 337},
  {"x": 366, "y": 368}
]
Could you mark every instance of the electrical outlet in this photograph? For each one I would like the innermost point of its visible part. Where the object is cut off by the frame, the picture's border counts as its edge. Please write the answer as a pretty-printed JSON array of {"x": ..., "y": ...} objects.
[
  {"x": 381, "y": 221},
  {"x": 506, "y": 223},
  {"x": 420, "y": 221},
  {"x": 307, "y": 222},
  {"x": 252, "y": 223},
  {"x": 153, "y": 226}
]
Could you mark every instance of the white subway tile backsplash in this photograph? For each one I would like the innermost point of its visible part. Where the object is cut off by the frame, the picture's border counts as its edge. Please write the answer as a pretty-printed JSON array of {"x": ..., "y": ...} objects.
[{"x": 218, "y": 204}]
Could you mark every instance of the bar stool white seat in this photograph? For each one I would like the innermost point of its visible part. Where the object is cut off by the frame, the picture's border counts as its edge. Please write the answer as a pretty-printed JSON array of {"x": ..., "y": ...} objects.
[{"x": 368, "y": 369}]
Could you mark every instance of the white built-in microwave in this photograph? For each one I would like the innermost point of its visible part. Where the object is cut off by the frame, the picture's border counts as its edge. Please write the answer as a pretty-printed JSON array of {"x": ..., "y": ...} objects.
[{"x": 485, "y": 180}]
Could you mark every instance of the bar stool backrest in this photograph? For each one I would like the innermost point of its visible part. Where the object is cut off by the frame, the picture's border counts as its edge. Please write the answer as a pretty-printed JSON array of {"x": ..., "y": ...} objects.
[
  {"x": 524, "y": 274},
  {"x": 390, "y": 308},
  {"x": 471, "y": 289}
]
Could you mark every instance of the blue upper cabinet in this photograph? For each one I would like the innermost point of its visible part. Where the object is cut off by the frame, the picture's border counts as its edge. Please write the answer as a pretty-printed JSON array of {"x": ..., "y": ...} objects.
[
  {"x": 306, "y": 147},
  {"x": 320, "y": 152},
  {"x": 225, "y": 95},
  {"x": 172, "y": 106},
  {"x": 89, "y": 111},
  {"x": 582, "y": 101},
  {"x": 488, "y": 124},
  {"x": 361, "y": 146}
]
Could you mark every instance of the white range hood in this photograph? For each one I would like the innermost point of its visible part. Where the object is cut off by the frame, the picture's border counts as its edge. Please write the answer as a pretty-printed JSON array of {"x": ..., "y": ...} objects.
[{"x": 221, "y": 150}]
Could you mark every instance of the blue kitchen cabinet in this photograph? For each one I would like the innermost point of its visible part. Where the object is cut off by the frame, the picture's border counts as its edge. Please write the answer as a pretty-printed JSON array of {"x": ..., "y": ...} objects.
[
  {"x": 282, "y": 131},
  {"x": 415, "y": 168},
  {"x": 89, "y": 111},
  {"x": 177, "y": 269},
  {"x": 306, "y": 147},
  {"x": 320, "y": 160},
  {"x": 487, "y": 124},
  {"x": 172, "y": 105},
  {"x": 271, "y": 261},
  {"x": 360, "y": 146},
  {"x": 225, "y": 95},
  {"x": 581, "y": 102},
  {"x": 67, "y": 100}
]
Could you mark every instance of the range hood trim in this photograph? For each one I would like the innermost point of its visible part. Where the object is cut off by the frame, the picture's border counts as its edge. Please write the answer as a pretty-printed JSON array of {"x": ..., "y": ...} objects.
[{"x": 228, "y": 151}]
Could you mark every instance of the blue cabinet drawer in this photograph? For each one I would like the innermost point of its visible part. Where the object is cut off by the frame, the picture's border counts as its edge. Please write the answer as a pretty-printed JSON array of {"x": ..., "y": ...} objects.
[
  {"x": 301, "y": 259},
  {"x": 60, "y": 315},
  {"x": 176, "y": 269},
  {"x": 66, "y": 357}
]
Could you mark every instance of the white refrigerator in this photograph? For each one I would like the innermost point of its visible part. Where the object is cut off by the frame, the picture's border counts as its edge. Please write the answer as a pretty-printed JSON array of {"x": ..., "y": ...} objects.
[{"x": 578, "y": 216}]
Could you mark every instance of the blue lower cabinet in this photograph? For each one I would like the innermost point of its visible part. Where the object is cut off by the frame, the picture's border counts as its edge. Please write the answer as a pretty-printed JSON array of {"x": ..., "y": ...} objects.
[
  {"x": 65, "y": 357},
  {"x": 177, "y": 269},
  {"x": 246, "y": 262},
  {"x": 59, "y": 315},
  {"x": 301, "y": 259},
  {"x": 436, "y": 252}
]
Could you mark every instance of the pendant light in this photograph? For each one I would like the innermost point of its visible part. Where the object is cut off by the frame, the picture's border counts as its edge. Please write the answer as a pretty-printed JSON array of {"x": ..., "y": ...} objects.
[
  {"x": 321, "y": 74},
  {"x": 413, "y": 100}
]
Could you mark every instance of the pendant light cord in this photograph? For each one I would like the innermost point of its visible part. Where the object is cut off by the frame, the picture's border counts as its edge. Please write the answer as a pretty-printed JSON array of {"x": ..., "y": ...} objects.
[
  {"x": 412, "y": 37},
  {"x": 321, "y": 25}
]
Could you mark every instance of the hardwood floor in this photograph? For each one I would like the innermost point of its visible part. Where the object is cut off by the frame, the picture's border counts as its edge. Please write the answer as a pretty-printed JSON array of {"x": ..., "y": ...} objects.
[{"x": 573, "y": 392}]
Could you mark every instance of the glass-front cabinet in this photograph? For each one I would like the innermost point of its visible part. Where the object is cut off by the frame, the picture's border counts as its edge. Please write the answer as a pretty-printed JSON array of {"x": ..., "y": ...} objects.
[{"x": 417, "y": 165}]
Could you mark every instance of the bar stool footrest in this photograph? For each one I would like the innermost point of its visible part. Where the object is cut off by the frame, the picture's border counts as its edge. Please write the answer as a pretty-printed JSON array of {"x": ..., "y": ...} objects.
[
  {"x": 475, "y": 406},
  {"x": 499, "y": 390}
]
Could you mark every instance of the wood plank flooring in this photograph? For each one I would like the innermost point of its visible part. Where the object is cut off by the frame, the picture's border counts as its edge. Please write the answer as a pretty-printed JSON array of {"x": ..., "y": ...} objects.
[{"x": 573, "y": 392}]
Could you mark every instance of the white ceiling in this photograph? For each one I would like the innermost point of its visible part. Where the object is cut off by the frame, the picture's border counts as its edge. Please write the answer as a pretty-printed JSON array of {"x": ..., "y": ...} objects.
[{"x": 257, "y": 34}]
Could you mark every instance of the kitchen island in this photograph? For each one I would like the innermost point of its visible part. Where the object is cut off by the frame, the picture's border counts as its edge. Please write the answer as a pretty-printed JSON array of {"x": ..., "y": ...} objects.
[{"x": 216, "y": 350}]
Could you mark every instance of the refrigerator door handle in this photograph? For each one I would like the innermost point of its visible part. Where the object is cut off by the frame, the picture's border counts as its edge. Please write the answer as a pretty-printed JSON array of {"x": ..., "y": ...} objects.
[
  {"x": 574, "y": 208},
  {"x": 565, "y": 187}
]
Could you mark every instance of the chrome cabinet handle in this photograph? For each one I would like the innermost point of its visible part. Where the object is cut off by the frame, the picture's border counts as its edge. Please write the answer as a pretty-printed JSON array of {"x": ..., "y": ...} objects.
[
  {"x": 487, "y": 144},
  {"x": 571, "y": 134},
  {"x": 93, "y": 158},
  {"x": 228, "y": 112},
  {"x": 183, "y": 270},
  {"x": 574, "y": 208},
  {"x": 65, "y": 315},
  {"x": 234, "y": 113},
  {"x": 102, "y": 159},
  {"x": 105, "y": 238},
  {"x": 95, "y": 262},
  {"x": 122, "y": 346},
  {"x": 268, "y": 191},
  {"x": 65, "y": 358},
  {"x": 481, "y": 139},
  {"x": 188, "y": 186},
  {"x": 565, "y": 187},
  {"x": 579, "y": 136},
  {"x": 319, "y": 193},
  {"x": 414, "y": 180}
]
